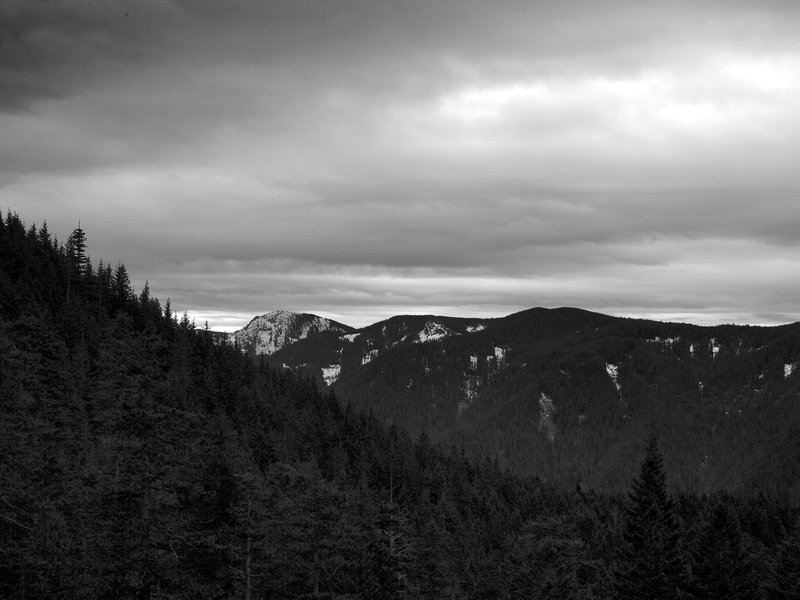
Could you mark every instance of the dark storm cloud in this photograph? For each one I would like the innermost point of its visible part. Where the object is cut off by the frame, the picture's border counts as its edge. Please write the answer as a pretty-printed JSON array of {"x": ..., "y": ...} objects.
[
  {"x": 51, "y": 48},
  {"x": 363, "y": 157}
]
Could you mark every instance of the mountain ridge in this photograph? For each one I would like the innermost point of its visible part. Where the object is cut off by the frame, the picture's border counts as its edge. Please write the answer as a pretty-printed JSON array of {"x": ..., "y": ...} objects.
[{"x": 567, "y": 394}]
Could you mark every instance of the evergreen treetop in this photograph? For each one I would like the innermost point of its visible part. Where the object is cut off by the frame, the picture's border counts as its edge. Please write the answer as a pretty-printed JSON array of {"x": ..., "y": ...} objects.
[{"x": 650, "y": 564}]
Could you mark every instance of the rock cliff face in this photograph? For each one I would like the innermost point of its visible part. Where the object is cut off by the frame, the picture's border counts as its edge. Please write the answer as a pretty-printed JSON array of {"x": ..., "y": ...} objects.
[{"x": 269, "y": 333}]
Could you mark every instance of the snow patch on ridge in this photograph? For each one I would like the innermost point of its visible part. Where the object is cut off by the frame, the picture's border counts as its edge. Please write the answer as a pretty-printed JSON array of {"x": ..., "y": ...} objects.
[
  {"x": 666, "y": 345},
  {"x": 670, "y": 341},
  {"x": 475, "y": 328},
  {"x": 432, "y": 332}
]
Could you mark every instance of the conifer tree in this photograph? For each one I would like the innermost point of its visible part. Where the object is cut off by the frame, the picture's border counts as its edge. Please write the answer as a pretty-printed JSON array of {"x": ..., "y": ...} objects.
[
  {"x": 650, "y": 565},
  {"x": 121, "y": 288},
  {"x": 168, "y": 316},
  {"x": 44, "y": 236},
  {"x": 76, "y": 256},
  {"x": 76, "y": 250}
]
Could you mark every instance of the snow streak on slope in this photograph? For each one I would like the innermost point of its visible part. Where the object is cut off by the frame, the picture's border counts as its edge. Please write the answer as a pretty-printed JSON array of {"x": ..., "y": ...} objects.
[
  {"x": 369, "y": 356},
  {"x": 613, "y": 373},
  {"x": 546, "y": 410},
  {"x": 500, "y": 357},
  {"x": 471, "y": 383}
]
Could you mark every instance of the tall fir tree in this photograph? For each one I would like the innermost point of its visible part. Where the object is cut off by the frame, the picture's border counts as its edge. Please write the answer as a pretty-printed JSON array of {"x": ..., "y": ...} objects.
[
  {"x": 650, "y": 565},
  {"x": 76, "y": 251},
  {"x": 122, "y": 293},
  {"x": 76, "y": 257}
]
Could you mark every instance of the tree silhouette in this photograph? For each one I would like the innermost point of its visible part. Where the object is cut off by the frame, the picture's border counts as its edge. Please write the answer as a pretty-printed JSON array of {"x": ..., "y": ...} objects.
[
  {"x": 649, "y": 563},
  {"x": 77, "y": 261},
  {"x": 76, "y": 250}
]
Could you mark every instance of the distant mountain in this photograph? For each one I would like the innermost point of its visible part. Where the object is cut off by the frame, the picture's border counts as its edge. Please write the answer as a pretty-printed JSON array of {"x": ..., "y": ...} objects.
[
  {"x": 326, "y": 349},
  {"x": 269, "y": 333},
  {"x": 569, "y": 395}
]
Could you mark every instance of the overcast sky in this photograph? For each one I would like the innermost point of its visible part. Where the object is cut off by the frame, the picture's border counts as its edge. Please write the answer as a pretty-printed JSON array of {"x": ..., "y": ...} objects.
[{"x": 363, "y": 158}]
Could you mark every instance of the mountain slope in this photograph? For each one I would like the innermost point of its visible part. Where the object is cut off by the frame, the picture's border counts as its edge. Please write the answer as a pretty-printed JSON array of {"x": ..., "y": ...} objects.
[{"x": 570, "y": 395}]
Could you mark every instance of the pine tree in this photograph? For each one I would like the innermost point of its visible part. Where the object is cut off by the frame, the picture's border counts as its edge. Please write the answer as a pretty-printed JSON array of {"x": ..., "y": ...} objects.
[
  {"x": 121, "y": 290},
  {"x": 650, "y": 565},
  {"x": 168, "y": 315},
  {"x": 76, "y": 256},
  {"x": 76, "y": 250},
  {"x": 149, "y": 307},
  {"x": 44, "y": 237}
]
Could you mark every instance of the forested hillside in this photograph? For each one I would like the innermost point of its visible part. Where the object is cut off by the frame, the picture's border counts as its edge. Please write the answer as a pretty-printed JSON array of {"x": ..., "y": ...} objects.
[
  {"x": 566, "y": 394},
  {"x": 569, "y": 395},
  {"x": 141, "y": 457}
]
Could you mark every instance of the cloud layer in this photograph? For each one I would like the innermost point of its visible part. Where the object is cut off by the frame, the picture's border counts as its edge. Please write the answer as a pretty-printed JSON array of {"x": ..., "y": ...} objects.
[{"x": 362, "y": 158}]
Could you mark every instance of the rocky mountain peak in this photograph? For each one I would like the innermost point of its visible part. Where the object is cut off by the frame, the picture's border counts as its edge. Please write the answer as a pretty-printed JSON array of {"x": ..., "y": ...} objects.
[{"x": 270, "y": 332}]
